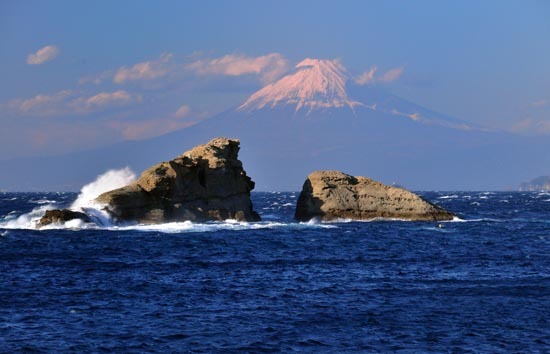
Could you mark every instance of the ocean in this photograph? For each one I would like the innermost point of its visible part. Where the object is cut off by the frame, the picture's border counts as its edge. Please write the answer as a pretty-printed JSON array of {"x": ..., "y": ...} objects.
[{"x": 477, "y": 284}]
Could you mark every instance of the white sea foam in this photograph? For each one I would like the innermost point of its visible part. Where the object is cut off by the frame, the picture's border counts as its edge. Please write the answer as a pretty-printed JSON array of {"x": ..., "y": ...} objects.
[
  {"x": 188, "y": 226},
  {"x": 28, "y": 220}
]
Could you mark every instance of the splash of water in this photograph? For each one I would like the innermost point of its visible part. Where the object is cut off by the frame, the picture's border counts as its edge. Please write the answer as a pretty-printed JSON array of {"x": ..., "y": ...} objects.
[
  {"x": 108, "y": 181},
  {"x": 85, "y": 202}
]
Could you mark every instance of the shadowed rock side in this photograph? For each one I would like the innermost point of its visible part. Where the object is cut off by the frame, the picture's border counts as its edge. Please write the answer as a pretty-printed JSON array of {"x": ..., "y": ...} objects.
[
  {"x": 58, "y": 216},
  {"x": 332, "y": 194},
  {"x": 205, "y": 183}
]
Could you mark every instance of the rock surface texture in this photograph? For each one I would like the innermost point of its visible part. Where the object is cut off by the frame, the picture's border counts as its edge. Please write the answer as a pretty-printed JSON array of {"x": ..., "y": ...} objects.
[
  {"x": 205, "y": 183},
  {"x": 60, "y": 216},
  {"x": 330, "y": 195}
]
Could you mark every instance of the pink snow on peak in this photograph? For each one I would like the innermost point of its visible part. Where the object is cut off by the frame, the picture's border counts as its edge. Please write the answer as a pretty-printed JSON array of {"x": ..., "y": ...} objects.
[{"x": 315, "y": 84}]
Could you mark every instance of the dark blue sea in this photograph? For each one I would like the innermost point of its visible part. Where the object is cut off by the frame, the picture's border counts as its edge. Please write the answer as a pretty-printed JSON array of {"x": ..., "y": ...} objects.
[{"x": 479, "y": 284}]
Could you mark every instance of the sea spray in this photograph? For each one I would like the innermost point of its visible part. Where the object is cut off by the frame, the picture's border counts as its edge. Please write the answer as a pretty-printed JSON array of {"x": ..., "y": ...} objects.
[
  {"x": 85, "y": 202},
  {"x": 108, "y": 181},
  {"x": 27, "y": 220}
]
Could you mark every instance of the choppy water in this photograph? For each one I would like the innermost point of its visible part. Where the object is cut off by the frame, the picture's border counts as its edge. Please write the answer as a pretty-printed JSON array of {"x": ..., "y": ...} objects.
[{"x": 477, "y": 285}]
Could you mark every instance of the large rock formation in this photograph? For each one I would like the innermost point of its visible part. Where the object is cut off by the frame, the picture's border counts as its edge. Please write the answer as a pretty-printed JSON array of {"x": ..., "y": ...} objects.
[
  {"x": 205, "y": 183},
  {"x": 331, "y": 195}
]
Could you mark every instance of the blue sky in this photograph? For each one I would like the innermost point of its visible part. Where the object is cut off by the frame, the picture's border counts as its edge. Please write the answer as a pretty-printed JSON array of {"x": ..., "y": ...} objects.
[{"x": 76, "y": 75}]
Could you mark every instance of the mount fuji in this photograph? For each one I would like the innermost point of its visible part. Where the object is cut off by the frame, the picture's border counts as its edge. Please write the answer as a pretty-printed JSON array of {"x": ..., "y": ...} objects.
[{"x": 315, "y": 118}]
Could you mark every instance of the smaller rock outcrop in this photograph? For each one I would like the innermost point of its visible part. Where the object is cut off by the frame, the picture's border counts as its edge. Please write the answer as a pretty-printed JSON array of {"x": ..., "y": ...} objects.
[
  {"x": 58, "y": 216},
  {"x": 330, "y": 195},
  {"x": 205, "y": 183}
]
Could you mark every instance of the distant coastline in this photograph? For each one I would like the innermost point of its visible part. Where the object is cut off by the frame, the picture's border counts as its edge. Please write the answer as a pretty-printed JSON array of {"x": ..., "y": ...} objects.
[{"x": 541, "y": 183}]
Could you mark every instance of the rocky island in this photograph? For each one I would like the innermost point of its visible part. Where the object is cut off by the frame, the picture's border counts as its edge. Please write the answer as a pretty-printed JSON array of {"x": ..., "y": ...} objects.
[
  {"x": 206, "y": 183},
  {"x": 331, "y": 195}
]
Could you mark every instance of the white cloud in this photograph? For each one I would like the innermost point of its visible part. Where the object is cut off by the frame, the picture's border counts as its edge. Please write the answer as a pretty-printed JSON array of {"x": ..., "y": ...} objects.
[
  {"x": 143, "y": 129},
  {"x": 103, "y": 100},
  {"x": 182, "y": 112},
  {"x": 41, "y": 104},
  {"x": 367, "y": 77},
  {"x": 268, "y": 67},
  {"x": 69, "y": 102},
  {"x": 146, "y": 70},
  {"x": 43, "y": 55},
  {"x": 391, "y": 75},
  {"x": 414, "y": 116},
  {"x": 150, "y": 128},
  {"x": 370, "y": 77}
]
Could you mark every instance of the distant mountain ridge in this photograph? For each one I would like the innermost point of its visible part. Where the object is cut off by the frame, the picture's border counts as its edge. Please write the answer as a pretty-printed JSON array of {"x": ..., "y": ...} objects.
[{"x": 317, "y": 118}]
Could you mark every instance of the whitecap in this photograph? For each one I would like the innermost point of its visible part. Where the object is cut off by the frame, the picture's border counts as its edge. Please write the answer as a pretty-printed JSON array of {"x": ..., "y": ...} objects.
[
  {"x": 452, "y": 196},
  {"x": 43, "y": 201}
]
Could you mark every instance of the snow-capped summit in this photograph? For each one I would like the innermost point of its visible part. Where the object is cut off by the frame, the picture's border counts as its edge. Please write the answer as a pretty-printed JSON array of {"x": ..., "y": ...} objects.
[{"x": 315, "y": 84}]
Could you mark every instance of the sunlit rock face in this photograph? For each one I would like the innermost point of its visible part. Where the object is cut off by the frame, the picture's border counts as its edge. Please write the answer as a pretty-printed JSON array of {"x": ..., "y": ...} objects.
[
  {"x": 205, "y": 183},
  {"x": 330, "y": 195}
]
